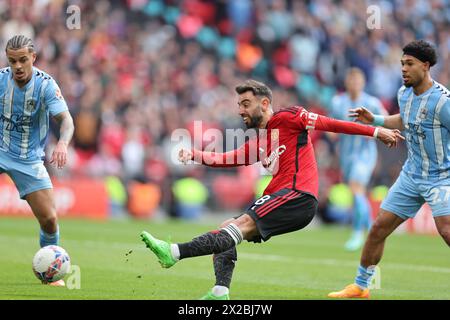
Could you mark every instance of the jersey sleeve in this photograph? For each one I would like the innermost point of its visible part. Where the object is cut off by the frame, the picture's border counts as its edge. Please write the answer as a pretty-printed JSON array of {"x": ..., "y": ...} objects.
[
  {"x": 53, "y": 98},
  {"x": 444, "y": 115},
  {"x": 247, "y": 154},
  {"x": 309, "y": 121}
]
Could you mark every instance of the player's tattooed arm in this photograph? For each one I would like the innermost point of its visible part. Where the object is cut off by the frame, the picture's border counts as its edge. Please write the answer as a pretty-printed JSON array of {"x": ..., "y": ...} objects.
[
  {"x": 66, "y": 128},
  {"x": 59, "y": 155}
]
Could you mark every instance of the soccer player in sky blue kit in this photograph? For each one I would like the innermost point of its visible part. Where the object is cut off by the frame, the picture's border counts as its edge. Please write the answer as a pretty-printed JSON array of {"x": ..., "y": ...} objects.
[
  {"x": 357, "y": 154},
  {"x": 27, "y": 97},
  {"x": 425, "y": 118}
]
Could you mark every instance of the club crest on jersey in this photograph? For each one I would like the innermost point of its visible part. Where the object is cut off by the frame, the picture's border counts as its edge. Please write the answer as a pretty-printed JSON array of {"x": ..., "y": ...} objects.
[
  {"x": 30, "y": 105},
  {"x": 423, "y": 113},
  {"x": 274, "y": 135}
]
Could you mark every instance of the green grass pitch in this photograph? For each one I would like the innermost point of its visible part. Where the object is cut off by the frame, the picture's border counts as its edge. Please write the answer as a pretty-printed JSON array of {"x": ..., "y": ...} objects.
[{"x": 303, "y": 265}]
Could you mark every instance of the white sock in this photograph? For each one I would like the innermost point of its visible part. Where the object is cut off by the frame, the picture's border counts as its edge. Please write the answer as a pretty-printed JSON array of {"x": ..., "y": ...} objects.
[
  {"x": 175, "y": 251},
  {"x": 220, "y": 291},
  {"x": 235, "y": 233}
]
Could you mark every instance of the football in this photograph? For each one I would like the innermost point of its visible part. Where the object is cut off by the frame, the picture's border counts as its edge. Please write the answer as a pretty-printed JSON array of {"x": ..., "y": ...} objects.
[{"x": 51, "y": 263}]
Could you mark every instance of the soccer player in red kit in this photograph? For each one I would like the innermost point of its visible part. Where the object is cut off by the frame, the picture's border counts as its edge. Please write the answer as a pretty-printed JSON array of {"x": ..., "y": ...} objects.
[{"x": 289, "y": 202}]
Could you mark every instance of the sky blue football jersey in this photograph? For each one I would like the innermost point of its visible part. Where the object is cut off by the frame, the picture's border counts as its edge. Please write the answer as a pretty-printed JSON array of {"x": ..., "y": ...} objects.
[
  {"x": 24, "y": 113},
  {"x": 427, "y": 130}
]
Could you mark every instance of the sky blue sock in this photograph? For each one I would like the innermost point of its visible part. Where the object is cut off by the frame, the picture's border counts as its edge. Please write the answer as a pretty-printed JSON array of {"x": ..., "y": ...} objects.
[
  {"x": 364, "y": 276},
  {"x": 362, "y": 213},
  {"x": 48, "y": 239}
]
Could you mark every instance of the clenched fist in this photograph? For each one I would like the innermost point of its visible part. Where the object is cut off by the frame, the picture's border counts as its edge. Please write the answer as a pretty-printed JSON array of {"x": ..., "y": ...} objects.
[{"x": 185, "y": 155}]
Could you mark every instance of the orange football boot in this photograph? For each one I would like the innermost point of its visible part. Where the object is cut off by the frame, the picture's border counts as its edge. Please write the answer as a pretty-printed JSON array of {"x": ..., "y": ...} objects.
[{"x": 351, "y": 291}]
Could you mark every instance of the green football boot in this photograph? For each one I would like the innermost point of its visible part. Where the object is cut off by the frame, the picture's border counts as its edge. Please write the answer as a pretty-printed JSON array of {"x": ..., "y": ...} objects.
[
  {"x": 160, "y": 248},
  {"x": 211, "y": 296}
]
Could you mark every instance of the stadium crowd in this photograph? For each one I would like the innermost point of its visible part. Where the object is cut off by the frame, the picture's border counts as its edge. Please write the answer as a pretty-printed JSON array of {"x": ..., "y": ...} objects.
[{"x": 137, "y": 70}]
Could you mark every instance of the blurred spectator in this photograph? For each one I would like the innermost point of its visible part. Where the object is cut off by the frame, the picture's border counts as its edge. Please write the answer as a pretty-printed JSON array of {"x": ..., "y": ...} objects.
[{"x": 190, "y": 196}]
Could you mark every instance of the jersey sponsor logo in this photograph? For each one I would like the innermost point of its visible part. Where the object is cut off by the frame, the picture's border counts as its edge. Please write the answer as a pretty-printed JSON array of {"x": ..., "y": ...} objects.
[
  {"x": 416, "y": 133},
  {"x": 16, "y": 122},
  {"x": 270, "y": 162}
]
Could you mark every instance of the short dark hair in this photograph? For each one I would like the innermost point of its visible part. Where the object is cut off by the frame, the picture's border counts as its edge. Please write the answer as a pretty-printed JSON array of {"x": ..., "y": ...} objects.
[
  {"x": 259, "y": 89},
  {"x": 421, "y": 50},
  {"x": 19, "y": 42}
]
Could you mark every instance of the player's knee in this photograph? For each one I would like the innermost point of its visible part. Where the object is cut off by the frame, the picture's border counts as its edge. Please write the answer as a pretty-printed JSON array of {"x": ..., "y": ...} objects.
[
  {"x": 226, "y": 222},
  {"x": 248, "y": 228},
  {"x": 242, "y": 220},
  {"x": 249, "y": 232}
]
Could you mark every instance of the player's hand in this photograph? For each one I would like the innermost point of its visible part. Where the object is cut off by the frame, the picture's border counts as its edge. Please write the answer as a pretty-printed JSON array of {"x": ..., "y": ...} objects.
[
  {"x": 185, "y": 155},
  {"x": 361, "y": 114},
  {"x": 59, "y": 155},
  {"x": 389, "y": 137}
]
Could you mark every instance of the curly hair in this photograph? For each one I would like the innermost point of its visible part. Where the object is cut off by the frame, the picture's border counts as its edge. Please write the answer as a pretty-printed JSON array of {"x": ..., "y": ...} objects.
[{"x": 421, "y": 50}]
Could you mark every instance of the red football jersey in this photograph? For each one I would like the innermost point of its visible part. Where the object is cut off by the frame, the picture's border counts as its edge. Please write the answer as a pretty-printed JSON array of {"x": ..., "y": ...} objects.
[{"x": 285, "y": 149}]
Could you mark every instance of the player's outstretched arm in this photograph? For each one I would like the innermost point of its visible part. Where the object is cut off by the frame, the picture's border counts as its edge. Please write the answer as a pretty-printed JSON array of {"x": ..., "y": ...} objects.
[
  {"x": 212, "y": 159},
  {"x": 59, "y": 155},
  {"x": 245, "y": 155},
  {"x": 365, "y": 116},
  {"x": 387, "y": 136}
]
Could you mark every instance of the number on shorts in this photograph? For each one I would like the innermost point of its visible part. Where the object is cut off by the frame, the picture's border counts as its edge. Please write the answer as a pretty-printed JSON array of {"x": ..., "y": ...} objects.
[
  {"x": 435, "y": 192},
  {"x": 260, "y": 201},
  {"x": 41, "y": 171}
]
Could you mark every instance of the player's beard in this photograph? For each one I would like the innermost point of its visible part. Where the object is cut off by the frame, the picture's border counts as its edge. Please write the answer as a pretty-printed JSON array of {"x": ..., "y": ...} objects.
[{"x": 254, "y": 120}]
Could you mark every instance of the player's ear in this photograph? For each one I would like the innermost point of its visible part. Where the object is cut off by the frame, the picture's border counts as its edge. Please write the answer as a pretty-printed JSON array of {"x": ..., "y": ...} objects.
[
  {"x": 265, "y": 103},
  {"x": 33, "y": 55}
]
